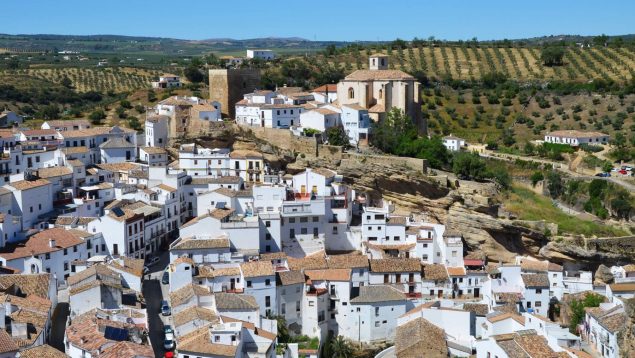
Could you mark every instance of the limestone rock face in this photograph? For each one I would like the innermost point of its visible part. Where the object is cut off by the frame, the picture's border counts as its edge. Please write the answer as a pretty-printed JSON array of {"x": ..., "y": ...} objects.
[{"x": 463, "y": 206}]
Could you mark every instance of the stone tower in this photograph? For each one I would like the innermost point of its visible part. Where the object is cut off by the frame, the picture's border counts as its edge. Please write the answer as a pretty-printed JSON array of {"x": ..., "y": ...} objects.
[
  {"x": 378, "y": 62},
  {"x": 228, "y": 86}
]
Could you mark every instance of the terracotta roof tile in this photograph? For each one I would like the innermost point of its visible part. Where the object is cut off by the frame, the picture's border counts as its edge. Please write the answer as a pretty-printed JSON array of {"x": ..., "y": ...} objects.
[
  {"x": 6, "y": 343},
  {"x": 535, "y": 280},
  {"x": 395, "y": 265},
  {"x": 286, "y": 278},
  {"x": 378, "y": 293},
  {"x": 420, "y": 338},
  {"x": 257, "y": 269},
  {"x": 329, "y": 275},
  {"x": 39, "y": 243},
  {"x": 29, "y": 184},
  {"x": 235, "y": 301},
  {"x": 378, "y": 75},
  {"x": 43, "y": 351}
]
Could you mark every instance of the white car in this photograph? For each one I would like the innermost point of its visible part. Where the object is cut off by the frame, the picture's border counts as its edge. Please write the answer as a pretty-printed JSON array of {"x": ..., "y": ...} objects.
[{"x": 168, "y": 342}]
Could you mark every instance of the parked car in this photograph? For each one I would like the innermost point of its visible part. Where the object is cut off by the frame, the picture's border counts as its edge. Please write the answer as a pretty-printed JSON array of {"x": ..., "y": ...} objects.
[
  {"x": 152, "y": 261},
  {"x": 169, "y": 343},
  {"x": 167, "y": 329},
  {"x": 165, "y": 308},
  {"x": 623, "y": 172},
  {"x": 603, "y": 175},
  {"x": 166, "y": 278},
  {"x": 614, "y": 170}
]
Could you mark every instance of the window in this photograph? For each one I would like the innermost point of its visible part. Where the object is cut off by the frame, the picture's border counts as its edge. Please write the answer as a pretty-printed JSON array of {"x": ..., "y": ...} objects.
[
  {"x": 304, "y": 219},
  {"x": 538, "y": 291},
  {"x": 297, "y": 306},
  {"x": 75, "y": 248},
  {"x": 538, "y": 304},
  {"x": 351, "y": 93},
  {"x": 311, "y": 303},
  {"x": 267, "y": 236},
  {"x": 376, "y": 311},
  {"x": 248, "y": 283},
  {"x": 65, "y": 251},
  {"x": 283, "y": 309},
  {"x": 376, "y": 323},
  {"x": 358, "y": 309},
  {"x": 268, "y": 301},
  {"x": 528, "y": 304},
  {"x": 291, "y": 220},
  {"x": 381, "y": 93},
  {"x": 268, "y": 223},
  {"x": 268, "y": 282},
  {"x": 315, "y": 219}
]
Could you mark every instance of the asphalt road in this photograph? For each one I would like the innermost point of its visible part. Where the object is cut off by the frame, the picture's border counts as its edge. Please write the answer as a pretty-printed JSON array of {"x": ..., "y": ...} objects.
[{"x": 153, "y": 292}]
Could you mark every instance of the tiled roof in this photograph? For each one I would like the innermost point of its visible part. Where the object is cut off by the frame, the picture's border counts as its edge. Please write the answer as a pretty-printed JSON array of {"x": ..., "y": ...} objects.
[
  {"x": 501, "y": 316},
  {"x": 130, "y": 265},
  {"x": 244, "y": 154},
  {"x": 395, "y": 265},
  {"x": 29, "y": 284},
  {"x": 43, "y": 351},
  {"x": 572, "y": 133},
  {"x": 270, "y": 256},
  {"x": 234, "y": 301},
  {"x": 185, "y": 293},
  {"x": 217, "y": 180},
  {"x": 199, "y": 342},
  {"x": 220, "y": 214},
  {"x": 535, "y": 280},
  {"x": 436, "y": 272},
  {"x": 194, "y": 313},
  {"x": 98, "y": 270},
  {"x": 286, "y": 278},
  {"x": 329, "y": 275},
  {"x": 456, "y": 271},
  {"x": 52, "y": 172},
  {"x": 535, "y": 345},
  {"x": 68, "y": 122},
  {"x": 127, "y": 349},
  {"x": 613, "y": 322},
  {"x": 154, "y": 150},
  {"x": 74, "y": 150},
  {"x": 350, "y": 261},
  {"x": 331, "y": 88},
  {"x": 6, "y": 342},
  {"x": 622, "y": 287},
  {"x": 420, "y": 338},
  {"x": 327, "y": 173},
  {"x": 210, "y": 272},
  {"x": 118, "y": 167},
  {"x": 539, "y": 266},
  {"x": 39, "y": 244},
  {"x": 312, "y": 262},
  {"x": 194, "y": 244},
  {"x": 378, "y": 293},
  {"x": 257, "y": 269},
  {"x": 29, "y": 184},
  {"x": 166, "y": 188},
  {"x": 480, "y": 309},
  {"x": 378, "y": 75},
  {"x": 44, "y": 132},
  {"x": 93, "y": 132}
]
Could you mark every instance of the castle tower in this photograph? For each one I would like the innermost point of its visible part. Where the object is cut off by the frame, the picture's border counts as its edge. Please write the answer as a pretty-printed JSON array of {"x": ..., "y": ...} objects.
[
  {"x": 378, "y": 61},
  {"x": 228, "y": 86}
]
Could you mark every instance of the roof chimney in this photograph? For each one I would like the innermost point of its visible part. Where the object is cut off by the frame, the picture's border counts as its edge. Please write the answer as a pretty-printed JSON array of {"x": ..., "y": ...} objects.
[{"x": 51, "y": 242}]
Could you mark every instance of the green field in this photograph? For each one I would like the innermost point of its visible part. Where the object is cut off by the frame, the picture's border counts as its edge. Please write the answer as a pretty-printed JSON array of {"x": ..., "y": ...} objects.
[{"x": 527, "y": 205}]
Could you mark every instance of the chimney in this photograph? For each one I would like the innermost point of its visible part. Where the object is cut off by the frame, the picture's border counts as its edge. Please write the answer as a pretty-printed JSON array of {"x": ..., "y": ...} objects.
[{"x": 51, "y": 243}]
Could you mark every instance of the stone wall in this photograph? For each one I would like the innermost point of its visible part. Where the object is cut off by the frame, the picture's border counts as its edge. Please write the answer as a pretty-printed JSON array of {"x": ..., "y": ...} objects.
[{"x": 416, "y": 164}]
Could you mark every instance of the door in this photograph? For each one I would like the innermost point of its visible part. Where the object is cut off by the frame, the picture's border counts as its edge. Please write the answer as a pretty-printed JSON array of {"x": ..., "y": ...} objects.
[
  {"x": 477, "y": 292},
  {"x": 232, "y": 284},
  {"x": 440, "y": 294}
]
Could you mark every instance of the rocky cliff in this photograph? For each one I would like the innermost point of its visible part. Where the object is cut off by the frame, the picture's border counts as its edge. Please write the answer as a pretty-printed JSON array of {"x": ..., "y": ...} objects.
[{"x": 463, "y": 206}]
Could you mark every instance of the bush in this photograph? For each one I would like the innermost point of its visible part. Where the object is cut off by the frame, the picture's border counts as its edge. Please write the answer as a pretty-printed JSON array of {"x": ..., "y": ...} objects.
[
  {"x": 552, "y": 56},
  {"x": 97, "y": 115},
  {"x": 536, "y": 177}
]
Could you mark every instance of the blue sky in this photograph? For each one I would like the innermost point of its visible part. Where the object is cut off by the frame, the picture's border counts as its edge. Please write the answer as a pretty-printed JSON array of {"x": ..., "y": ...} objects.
[{"x": 322, "y": 20}]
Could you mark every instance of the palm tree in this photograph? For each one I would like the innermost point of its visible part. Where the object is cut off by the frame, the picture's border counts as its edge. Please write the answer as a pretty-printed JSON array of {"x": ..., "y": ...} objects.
[{"x": 341, "y": 348}]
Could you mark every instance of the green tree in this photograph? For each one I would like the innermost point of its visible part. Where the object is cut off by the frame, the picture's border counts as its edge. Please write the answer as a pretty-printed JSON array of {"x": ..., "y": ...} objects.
[
  {"x": 193, "y": 74},
  {"x": 601, "y": 40},
  {"x": 607, "y": 166},
  {"x": 140, "y": 108},
  {"x": 552, "y": 55},
  {"x": 51, "y": 111},
  {"x": 536, "y": 177},
  {"x": 555, "y": 184},
  {"x": 125, "y": 104},
  {"x": 66, "y": 82},
  {"x": 576, "y": 307},
  {"x": 337, "y": 136},
  {"x": 97, "y": 116},
  {"x": 469, "y": 166},
  {"x": 341, "y": 348},
  {"x": 134, "y": 123},
  {"x": 121, "y": 112},
  {"x": 152, "y": 96}
]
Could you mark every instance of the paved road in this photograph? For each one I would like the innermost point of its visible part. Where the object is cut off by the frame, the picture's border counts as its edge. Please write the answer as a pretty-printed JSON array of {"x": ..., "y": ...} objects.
[
  {"x": 58, "y": 325},
  {"x": 558, "y": 166},
  {"x": 153, "y": 292}
]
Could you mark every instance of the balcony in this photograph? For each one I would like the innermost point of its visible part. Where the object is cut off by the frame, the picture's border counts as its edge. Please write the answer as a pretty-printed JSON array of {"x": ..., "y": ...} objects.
[
  {"x": 413, "y": 295},
  {"x": 316, "y": 291}
]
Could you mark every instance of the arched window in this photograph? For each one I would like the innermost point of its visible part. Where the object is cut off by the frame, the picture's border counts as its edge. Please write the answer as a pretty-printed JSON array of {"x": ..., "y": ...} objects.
[
  {"x": 351, "y": 93},
  {"x": 381, "y": 93}
]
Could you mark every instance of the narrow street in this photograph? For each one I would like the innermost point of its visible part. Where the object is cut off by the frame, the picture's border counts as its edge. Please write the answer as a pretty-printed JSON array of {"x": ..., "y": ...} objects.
[
  {"x": 58, "y": 326},
  {"x": 153, "y": 292}
]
